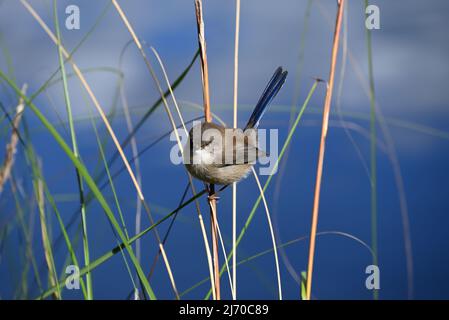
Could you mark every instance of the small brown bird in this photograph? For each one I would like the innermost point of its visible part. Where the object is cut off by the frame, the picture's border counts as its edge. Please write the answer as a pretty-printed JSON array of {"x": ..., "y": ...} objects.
[{"x": 220, "y": 155}]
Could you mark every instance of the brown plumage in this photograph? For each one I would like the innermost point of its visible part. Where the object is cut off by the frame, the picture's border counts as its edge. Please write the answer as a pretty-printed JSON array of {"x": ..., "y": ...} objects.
[{"x": 220, "y": 155}]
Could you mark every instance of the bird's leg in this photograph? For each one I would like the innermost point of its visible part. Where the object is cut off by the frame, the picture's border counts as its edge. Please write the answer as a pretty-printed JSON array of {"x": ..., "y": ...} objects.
[{"x": 212, "y": 196}]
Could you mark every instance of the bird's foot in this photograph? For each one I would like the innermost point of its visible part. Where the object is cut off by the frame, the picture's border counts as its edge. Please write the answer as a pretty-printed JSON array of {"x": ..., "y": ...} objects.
[{"x": 213, "y": 197}]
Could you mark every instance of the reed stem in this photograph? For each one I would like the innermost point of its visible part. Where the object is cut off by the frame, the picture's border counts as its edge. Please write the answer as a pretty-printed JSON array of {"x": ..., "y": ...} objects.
[{"x": 325, "y": 125}]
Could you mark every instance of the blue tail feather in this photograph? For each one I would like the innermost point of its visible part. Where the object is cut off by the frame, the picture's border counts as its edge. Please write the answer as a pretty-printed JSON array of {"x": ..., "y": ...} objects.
[{"x": 271, "y": 90}]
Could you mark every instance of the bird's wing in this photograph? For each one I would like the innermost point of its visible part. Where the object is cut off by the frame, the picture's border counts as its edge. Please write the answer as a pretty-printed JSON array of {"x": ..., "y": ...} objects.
[{"x": 240, "y": 150}]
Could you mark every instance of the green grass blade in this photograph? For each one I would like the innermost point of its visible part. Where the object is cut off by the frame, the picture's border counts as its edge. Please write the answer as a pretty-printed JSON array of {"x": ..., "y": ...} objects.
[
  {"x": 46, "y": 241},
  {"x": 373, "y": 154},
  {"x": 120, "y": 247},
  {"x": 76, "y": 154},
  {"x": 117, "y": 202},
  {"x": 148, "y": 113},
  {"x": 89, "y": 181},
  {"x": 85, "y": 37},
  {"x": 30, "y": 158},
  {"x": 303, "y": 285},
  {"x": 22, "y": 291}
]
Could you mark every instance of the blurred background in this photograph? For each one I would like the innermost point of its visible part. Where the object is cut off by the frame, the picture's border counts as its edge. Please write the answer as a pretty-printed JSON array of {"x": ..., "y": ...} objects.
[{"x": 410, "y": 70}]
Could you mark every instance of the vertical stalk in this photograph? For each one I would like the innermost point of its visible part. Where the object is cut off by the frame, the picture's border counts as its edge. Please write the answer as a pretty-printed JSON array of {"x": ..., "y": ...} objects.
[
  {"x": 234, "y": 185},
  {"x": 45, "y": 229},
  {"x": 75, "y": 152},
  {"x": 373, "y": 161},
  {"x": 325, "y": 125},
  {"x": 208, "y": 117}
]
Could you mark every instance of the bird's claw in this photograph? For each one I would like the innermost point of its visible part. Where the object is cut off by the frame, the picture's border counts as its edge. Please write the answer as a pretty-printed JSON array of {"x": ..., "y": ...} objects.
[{"x": 213, "y": 197}]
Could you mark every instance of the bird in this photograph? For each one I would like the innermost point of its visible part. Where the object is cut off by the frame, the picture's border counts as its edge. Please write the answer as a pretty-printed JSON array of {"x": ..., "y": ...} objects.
[{"x": 219, "y": 155}]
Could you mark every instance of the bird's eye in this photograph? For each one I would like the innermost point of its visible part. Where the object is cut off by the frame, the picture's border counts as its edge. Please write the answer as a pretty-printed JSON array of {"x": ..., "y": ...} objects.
[{"x": 206, "y": 143}]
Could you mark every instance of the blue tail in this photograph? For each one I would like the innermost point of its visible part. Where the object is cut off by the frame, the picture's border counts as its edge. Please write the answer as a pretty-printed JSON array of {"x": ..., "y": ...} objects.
[{"x": 273, "y": 87}]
